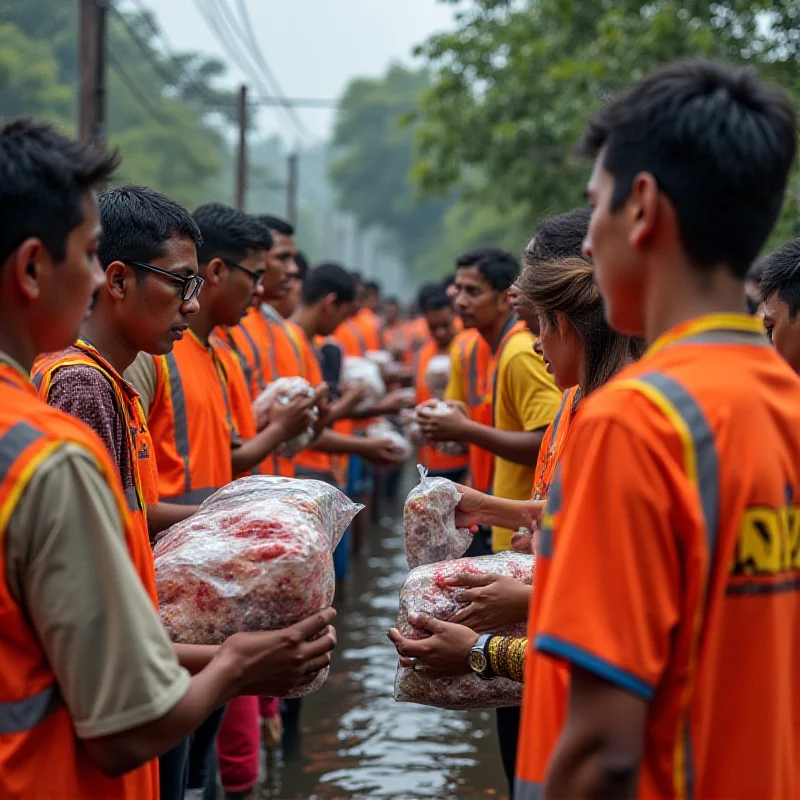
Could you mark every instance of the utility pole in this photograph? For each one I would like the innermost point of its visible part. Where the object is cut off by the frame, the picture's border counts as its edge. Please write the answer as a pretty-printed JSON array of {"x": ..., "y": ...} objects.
[
  {"x": 241, "y": 152},
  {"x": 291, "y": 188},
  {"x": 92, "y": 60}
]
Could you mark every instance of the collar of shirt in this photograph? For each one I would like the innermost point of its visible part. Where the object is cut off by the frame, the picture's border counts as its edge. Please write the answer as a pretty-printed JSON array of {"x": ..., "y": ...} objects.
[
  {"x": 709, "y": 322},
  {"x": 5, "y": 358}
]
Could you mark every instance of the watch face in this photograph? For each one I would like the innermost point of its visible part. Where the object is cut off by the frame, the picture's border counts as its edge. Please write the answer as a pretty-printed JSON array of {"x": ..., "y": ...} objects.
[{"x": 477, "y": 661}]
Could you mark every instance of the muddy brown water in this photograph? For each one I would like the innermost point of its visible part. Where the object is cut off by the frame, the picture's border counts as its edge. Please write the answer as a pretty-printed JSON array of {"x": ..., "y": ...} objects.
[{"x": 354, "y": 740}]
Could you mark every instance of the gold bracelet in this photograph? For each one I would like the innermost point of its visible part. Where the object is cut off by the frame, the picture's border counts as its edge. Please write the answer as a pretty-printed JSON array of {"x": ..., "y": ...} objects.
[
  {"x": 494, "y": 654},
  {"x": 507, "y": 657}
]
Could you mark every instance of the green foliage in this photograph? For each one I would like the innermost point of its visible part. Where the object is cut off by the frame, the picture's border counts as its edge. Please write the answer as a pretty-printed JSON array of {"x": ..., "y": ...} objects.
[
  {"x": 373, "y": 148},
  {"x": 514, "y": 84},
  {"x": 163, "y": 112}
]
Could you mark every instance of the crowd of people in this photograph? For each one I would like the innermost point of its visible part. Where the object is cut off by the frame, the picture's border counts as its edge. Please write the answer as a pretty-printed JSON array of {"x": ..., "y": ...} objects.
[{"x": 611, "y": 405}]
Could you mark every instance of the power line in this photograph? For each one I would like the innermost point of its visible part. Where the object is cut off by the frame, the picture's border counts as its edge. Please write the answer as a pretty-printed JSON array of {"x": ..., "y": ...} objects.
[{"x": 159, "y": 116}]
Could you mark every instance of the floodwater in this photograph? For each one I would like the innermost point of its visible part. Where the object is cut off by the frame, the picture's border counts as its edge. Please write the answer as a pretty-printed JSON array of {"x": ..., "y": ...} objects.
[{"x": 355, "y": 741}]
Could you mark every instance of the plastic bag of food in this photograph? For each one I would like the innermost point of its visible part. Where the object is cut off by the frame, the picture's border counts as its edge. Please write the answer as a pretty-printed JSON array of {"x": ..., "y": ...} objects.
[
  {"x": 385, "y": 430},
  {"x": 446, "y": 448},
  {"x": 381, "y": 358},
  {"x": 284, "y": 390},
  {"x": 425, "y": 591},
  {"x": 437, "y": 375},
  {"x": 257, "y": 556},
  {"x": 429, "y": 522},
  {"x": 361, "y": 372}
]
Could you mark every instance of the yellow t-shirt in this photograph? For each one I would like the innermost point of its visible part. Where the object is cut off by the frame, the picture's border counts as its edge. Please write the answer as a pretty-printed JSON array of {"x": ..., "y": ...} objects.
[
  {"x": 455, "y": 384},
  {"x": 526, "y": 399}
]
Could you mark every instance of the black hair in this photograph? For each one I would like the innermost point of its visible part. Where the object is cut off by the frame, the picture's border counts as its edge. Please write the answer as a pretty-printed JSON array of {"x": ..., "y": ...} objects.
[
  {"x": 138, "y": 222},
  {"x": 782, "y": 275},
  {"x": 425, "y": 290},
  {"x": 435, "y": 300},
  {"x": 391, "y": 301},
  {"x": 720, "y": 144},
  {"x": 448, "y": 280},
  {"x": 756, "y": 271},
  {"x": 302, "y": 264},
  {"x": 276, "y": 224},
  {"x": 228, "y": 233},
  {"x": 43, "y": 179},
  {"x": 497, "y": 266},
  {"x": 560, "y": 236},
  {"x": 372, "y": 287},
  {"x": 328, "y": 278}
]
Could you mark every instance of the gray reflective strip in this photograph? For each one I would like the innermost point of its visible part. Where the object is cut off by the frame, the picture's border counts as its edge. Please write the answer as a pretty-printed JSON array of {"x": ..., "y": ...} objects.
[
  {"x": 14, "y": 442},
  {"x": 708, "y": 489},
  {"x": 133, "y": 499},
  {"x": 554, "y": 497},
  {"x": 727, "y": 337},
  {"x": 24, "y": 715},
  {"x": 527, "y": 790},
  {"x": 256, "y": 358},
  {"x": 191, "y": 498},
  {"x": 180, "y": 419},
  {"x": 557, "y": 420},
  {"x": 37, "y": 380},
  {"x": 472, "y": 382}
]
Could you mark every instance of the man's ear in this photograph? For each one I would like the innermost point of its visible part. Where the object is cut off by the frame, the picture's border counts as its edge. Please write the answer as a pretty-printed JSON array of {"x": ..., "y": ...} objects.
[
  {"x": 27, "y": 264},
  {"x": 216, "y": 271},
  {"x": 504, "y": 301},
  {"x": 115, "y": 279},
  {"x": 642, "y": 208}
]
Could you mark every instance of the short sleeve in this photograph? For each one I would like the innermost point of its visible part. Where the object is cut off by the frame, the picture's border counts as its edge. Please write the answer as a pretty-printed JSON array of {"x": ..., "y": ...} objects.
[
  {"x": 613, "y": 595},
  {"x": 69, "y": 569},
  {"x": 455, "y": 385},
  {"x": 85, "y": 393},
  {"x": 529, "y": 393},
  {"x": 142, "y": 375}
]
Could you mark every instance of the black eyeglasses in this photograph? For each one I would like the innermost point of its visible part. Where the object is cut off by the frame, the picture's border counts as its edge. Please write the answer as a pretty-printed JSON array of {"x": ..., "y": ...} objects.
[
  {"x": 256, "y": 276},
  {"x": 190, "y": 284}
]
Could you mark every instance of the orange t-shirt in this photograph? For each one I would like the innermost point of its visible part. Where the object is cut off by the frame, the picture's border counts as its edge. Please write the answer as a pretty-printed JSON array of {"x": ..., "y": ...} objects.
[
  {"x": 429, "y": 456},
  {"x": 676, "y": 569}
]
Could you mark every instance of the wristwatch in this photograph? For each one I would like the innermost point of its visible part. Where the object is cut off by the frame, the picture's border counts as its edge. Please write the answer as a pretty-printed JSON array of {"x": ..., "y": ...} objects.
[{"x": 479, "y": 657}]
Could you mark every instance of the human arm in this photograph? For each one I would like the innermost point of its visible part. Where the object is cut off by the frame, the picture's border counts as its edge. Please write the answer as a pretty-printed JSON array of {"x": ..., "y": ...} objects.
[
  {"x": 116, "y": 670},
  {"x": 477, "y": 508},
  {"x": 392, "y": 403},
  {"x": 521, "y": 447},
  {"x": 377, "y": 451},
  {"x": 600, "y": 750},
  {"x": 344, "y": 407},
  {"x": 161, "y": 516},
  {"x": 286, "y": 420}
]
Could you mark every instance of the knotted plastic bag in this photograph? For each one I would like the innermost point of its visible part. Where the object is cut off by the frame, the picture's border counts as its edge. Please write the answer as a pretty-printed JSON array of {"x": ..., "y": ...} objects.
[
  {"x": 257, "y": 556},
  {"x": 284, "y": 390},
  {"x": 429, "y": 522},
  {"x": 385, "y": 430},
  {"x": 446, "y": 448},
  {"x": 361, "y": 372},
  {"x": 425, "y": 591}
]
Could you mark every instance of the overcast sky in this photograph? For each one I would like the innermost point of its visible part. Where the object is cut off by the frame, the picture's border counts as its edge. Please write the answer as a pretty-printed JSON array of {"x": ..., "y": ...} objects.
[{"x": 313, "y": 47}]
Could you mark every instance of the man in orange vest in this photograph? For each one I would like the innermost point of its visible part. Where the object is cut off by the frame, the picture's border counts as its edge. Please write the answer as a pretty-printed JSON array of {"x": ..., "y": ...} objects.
[
  {"x": 91, "y": 691},
  {"x": 136, "y": 309},
  {"x": 440, "y": 318},
  {"x": 297, "y": 272}
]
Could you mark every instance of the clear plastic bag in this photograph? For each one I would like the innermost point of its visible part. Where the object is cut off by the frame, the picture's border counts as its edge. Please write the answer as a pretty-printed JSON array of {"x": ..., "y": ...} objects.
[
  {"x": 425, "y": 591},
  {"x": 361, "y": 372},
  {"x": 257, "y": 556},
  {"x": 381, "y": 358},
  {"x": 437, "y": 375},
  {"x": 429, "y": 522},
  {"x": 284, "y": 390},
  {"x": 385, "y": 430},
  {"x": 445, "y": 448}
]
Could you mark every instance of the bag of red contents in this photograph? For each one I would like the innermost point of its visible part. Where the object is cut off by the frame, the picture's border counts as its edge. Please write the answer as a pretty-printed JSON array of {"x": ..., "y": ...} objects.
[
  {"x": 429, "y": 522},
  {"x": 284, "y": 390},
  {"x": 257, "y": 556},
  {"x": 425, "y": 591}
]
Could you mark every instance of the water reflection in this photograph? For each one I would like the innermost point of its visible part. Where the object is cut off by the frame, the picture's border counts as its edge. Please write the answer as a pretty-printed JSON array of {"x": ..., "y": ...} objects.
[{"x": 356, "y": 741}]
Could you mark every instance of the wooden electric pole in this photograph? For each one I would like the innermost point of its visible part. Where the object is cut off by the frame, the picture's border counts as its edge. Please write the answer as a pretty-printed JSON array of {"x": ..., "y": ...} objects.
[
  {"x": 241, "y": 152},
  {"x": 92, "y": 60},
  {"x": 291, "y": 189}
]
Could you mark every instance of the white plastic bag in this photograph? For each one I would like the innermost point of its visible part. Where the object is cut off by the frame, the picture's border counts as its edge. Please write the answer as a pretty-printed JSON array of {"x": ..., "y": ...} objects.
[
  {"x": 362, "y": 373},
  {"x": 385, "y": 430},
  {"x": 257, "y": 556},
  {"x": 425, "y": 591},
  {"x": 446, "y": 448},
  {"x": 429, "y": 522},
  {"x": 437, "y": 375},
  {"x": 381, "y": 358},
  {"x": 284, "y": 390}
]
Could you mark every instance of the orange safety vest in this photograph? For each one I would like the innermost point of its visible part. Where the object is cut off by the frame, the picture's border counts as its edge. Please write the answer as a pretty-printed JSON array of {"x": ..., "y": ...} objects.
[
  {"x": 40, "y": 756},
  {"x": 129, "y": 407},
  {"x": 241, "y": 406},
  {"x": 429, "y": 456},
  {"x": 474, "y": 356},
  {"x": 190, "y": 422}
]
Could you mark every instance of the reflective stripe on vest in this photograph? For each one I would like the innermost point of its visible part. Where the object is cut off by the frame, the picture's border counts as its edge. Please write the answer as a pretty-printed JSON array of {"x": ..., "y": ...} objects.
[
  {"x": 24, "y": 715},
  {"x": 554, "y": 499},
  {"x": 16, "y": 439},
  {"x": 474, "y": 395},
  {"x": 180, "y": 420},
  {"x": 357, "y": 334},
  {"x": 701, "y": 464},
  {"x": 527, "y": 790},
  {"x": 256, "y": 359}
]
